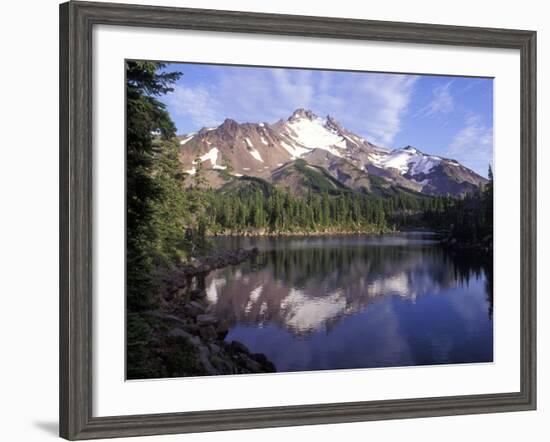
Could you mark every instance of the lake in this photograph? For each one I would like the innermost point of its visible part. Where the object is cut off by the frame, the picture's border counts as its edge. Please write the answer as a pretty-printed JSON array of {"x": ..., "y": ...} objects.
[{"x": 341, "y": 302}]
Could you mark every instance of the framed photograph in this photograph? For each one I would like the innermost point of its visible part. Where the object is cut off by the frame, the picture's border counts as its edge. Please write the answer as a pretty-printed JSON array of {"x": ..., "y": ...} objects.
[{"x": 271, "y": 220}]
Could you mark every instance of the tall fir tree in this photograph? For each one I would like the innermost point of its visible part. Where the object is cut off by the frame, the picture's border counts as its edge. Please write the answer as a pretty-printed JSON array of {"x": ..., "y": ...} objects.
[{"x": 146, "y": 119}]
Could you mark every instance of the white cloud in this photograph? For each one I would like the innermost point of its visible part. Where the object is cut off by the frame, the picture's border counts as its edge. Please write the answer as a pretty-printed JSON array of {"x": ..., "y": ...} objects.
[
  {"x": 198, "y": 104},
  {"x": 442, "y": 102},
  {"x": 473, "y": 145},
  {"x": 380, "y": 102},
  {"x": 372, "y": 105},
  {"x": 264, "y": 94}
]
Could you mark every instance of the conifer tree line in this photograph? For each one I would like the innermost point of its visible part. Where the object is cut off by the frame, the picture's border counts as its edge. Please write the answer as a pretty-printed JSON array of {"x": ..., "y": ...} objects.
[
  {"x": 468, "y": 219},
  {"x": 278, "y": 211},
  {"x": 261, "y": 207},
  {"x": 169, "y": 218}
]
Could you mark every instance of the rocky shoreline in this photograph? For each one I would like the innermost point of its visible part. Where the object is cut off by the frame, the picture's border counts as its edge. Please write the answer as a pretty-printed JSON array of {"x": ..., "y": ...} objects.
[
  {"x": 218, "y": 260},
  {"x": 179, "y": 281},
  {"x": 184, "y": 338}
]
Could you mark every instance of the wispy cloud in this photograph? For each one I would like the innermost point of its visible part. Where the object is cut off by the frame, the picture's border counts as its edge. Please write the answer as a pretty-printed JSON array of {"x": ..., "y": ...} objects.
[
  {"x": 442, "y": 101},
  {"x": 382, "y": 101},
  {"x": 263, "y": 94},
  {"x": 372, "y": 105},
  {"x": 198, "y": 104},
  {"x": 473, "y": 145},
  {"x": 473, "y": 83},
  {"x": 375, "y": 105}
]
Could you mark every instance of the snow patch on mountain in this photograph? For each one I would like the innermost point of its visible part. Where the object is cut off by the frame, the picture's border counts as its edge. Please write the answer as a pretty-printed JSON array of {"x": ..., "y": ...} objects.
[
  {"x": 294, "y": 150},
  {"x": 187, "y": 139},
  {"x": 377, "y": 159},
  {"x": 406, "y": 160},
  {"x": 350, "y": 139},
  {"x": 311, "y": 133},
  {"x": 398, "y": 160},
  {"x": 255, "y": 154},
  {"x": 304, "y": 134},
  {"x": 423, "y": 165},
  {"x": 211, "y": 155}
]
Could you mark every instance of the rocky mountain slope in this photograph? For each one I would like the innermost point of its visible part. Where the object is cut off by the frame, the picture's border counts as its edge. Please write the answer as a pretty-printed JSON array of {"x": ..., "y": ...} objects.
[{"x": 306, "y": 149}]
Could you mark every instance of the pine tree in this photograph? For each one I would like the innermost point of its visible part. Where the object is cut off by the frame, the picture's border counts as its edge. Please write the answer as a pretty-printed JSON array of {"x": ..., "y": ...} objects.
[{"x": 146, "y": 116}]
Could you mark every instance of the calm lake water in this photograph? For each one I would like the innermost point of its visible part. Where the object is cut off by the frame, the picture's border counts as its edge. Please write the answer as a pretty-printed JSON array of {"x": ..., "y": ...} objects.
[{"x": 340, "y": 302}]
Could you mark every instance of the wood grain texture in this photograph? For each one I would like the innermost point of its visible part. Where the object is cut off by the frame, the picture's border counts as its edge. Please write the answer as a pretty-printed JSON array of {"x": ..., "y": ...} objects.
[{"x": 76, "y": 167}]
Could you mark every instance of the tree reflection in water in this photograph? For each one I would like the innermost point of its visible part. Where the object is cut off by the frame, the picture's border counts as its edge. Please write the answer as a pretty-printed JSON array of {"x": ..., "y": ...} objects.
[{"x": 309, "y": 290}]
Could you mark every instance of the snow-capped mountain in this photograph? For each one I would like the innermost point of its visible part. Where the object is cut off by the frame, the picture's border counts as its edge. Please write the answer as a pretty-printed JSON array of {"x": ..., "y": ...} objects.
[{"x": 263, "y": 150}]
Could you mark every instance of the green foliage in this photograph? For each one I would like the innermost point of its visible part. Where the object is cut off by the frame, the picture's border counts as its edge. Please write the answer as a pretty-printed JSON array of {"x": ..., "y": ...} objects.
[
  {"x": 146, "y": 116},
  {"x": 260, "y": 205},
  {"x": 152, "y": 353},
  {"x": 164, "y": 221},
  {"x": 469, "y": 219},
  {"x": 170, "y": 210},
  {"x": 139, "y": 359},
  {"x": 253, "y": 204}
]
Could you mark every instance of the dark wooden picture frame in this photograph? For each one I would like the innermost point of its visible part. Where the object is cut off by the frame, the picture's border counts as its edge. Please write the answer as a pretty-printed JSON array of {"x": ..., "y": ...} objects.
[{"x": 77, "y": 20}]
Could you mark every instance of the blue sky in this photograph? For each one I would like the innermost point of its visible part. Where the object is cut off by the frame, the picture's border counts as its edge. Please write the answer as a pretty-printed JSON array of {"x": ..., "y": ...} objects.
[{"x": 441, "y": 115}]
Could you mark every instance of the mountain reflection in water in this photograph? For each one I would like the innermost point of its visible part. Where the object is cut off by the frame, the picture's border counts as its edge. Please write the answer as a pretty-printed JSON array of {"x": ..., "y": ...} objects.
[{"x": 350, "y": 302}]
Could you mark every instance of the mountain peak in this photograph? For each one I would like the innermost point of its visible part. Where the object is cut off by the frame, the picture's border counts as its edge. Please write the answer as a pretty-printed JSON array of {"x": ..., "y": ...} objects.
[
  {"x": 331, "y": 123},
  {"x": 411, "y": 149},
  {"x": 261, "y": 150},
  {"x": 230, "y": 125},
  {"x": 302, "y": 113},
  {"x": 229, "y": 122}
]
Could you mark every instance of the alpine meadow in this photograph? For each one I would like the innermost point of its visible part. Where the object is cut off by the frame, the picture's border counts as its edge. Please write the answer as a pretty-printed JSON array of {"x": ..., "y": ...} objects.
[{"x": 284, "y": 219}]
